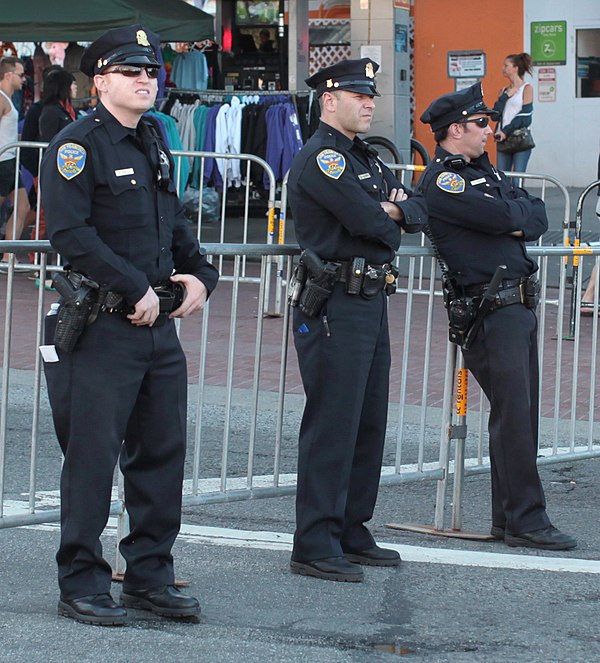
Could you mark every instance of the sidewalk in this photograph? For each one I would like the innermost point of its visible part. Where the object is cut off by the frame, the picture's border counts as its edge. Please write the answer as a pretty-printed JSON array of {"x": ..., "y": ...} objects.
[{"x": 451, "y": 600}]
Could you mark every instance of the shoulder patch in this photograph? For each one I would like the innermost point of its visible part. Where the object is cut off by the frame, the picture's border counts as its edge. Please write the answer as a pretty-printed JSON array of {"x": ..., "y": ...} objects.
[
  {"x": 70, "y": 160},
  {"x": 450, "y": 182},
  {"x": 331, "y": 163}
]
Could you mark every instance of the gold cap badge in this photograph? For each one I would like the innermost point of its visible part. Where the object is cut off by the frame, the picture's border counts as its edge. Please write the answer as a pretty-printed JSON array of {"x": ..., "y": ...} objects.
[
  {"x": 369, "y": 73},
  {"x": 329, "y": 82},
  {"x": 142, "y": 38}
]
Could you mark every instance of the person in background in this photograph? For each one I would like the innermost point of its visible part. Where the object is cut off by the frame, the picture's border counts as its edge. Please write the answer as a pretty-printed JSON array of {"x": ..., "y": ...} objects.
[
  {"x": 12, "y": 77},
  {"x": 515, "y": 107},
  {"x": 57, "y": 111},
  {"x": 587, "y": 299},
  {"x": 265, "y": 43}
]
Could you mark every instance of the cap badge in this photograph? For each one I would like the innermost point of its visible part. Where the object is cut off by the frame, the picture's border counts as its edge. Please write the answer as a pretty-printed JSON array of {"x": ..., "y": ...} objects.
[
  {"x": 331, "y": 163},
  {"x": 329, "y": 82},
  {"x": 99, "y": 63},
  {"x": 142, "y": 38},
  {"x": 369, "y": 73}
]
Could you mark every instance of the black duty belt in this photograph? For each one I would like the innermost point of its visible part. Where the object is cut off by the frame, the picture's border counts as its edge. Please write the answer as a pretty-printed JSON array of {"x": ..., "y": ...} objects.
[
  {"x": 346, "y": 266},
  {"x": 510, "y": 291}
]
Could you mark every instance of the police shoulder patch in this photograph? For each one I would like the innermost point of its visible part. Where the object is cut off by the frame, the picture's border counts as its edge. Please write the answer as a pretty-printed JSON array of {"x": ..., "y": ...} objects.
[
  {"x": 450, "y": 182},
  {"x": 70, "y": 160},
  {"x": 331, "y": 163}
]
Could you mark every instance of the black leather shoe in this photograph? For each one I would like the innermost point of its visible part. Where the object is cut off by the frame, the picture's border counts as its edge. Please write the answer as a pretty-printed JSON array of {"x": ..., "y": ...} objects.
[
  {"x": 548, "y": 538},
  {"x": 166, "y": 601},
  {"x": 497, "y": 532},
  {"x": 97, "y": 609},
  {"x": 374, "y": 556},
  {"x": 330, "y": 568}
]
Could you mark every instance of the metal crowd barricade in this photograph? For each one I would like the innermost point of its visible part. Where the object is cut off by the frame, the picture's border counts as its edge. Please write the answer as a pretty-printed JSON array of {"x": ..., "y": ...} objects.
[
  {"x": 224, "y": 229},
  {"x": 246, "y": 395}
]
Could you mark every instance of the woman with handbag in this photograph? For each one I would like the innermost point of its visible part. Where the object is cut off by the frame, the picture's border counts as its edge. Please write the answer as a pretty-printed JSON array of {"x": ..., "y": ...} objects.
[{"x": 515, "y": 108}]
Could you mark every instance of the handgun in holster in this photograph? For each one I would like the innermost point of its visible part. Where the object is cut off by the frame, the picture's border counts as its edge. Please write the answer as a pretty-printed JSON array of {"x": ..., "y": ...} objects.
[
  {"x": 320, "y": 281},
  {"x": 79, "y": 296}
]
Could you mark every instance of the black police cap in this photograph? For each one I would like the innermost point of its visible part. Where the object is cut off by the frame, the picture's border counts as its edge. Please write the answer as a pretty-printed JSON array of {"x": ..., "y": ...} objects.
[
  {"x": 130, "y": 45},
  {"x": 455, "y": 107},
  {"x": 354, "y": 75}
]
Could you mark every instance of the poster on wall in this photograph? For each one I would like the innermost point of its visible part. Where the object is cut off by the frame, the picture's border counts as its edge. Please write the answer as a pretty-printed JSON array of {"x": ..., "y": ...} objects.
[
  {"x": 466, "y": 64},
  {"x": 549, "y": 42},
  {"x": 546, "y": 84}
]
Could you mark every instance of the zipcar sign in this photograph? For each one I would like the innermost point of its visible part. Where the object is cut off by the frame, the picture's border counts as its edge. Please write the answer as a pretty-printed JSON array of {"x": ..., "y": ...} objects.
[{"x": 549, "y": 42}]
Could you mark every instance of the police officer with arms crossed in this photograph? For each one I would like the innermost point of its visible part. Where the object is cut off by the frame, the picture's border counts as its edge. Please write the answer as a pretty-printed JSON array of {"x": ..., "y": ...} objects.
[
  {"x": 112, "y": 211},
  {"x": 478, "y": 221},
  {"x": 349, "y": 211}
]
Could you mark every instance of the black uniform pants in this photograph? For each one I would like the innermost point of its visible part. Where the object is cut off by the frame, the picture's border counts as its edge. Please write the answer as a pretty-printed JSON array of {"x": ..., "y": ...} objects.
[
  {"x": 504, "y": 361},
  {"x": 345, "y": 367},
  {"x": 121, "y": 394}
]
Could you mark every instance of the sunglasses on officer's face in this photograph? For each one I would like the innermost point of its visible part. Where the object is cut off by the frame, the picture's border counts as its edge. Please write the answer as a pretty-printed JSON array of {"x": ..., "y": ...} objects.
[
  {"x": 479, "y": 121},
  {"x": 133, "y": 71}
]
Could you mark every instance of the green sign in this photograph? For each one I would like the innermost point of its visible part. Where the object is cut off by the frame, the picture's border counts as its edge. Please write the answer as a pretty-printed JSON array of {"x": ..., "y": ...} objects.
[{"x": 549, "y": 42}]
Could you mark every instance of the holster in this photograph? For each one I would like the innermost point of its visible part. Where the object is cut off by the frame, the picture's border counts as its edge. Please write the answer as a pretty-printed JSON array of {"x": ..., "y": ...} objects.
[{"x": 76, "y": 312}]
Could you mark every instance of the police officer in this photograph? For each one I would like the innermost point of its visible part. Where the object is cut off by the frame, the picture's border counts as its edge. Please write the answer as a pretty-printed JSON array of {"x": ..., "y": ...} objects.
[
  {"x": 112, "y": 211},
  {"x": 350, "y": 211},
  {"x": 479, "y": 220}
]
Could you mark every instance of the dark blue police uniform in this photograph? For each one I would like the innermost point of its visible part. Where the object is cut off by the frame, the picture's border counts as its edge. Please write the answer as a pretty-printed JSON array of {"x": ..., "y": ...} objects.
[
  {"x": 471, "y": 213},
  {"x": 335, "y": 188},
  {"x": 473, "y": 209},
  {"x": 121, "y": 393}
]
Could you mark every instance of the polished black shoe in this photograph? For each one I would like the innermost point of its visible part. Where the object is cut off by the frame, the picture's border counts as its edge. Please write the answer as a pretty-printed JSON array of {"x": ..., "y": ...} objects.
[
  {"x": 97, "y": 609},
  {"x": 548, "y": 538},
  {"x": 374, "y": 556},
  {"x": 330, "y": 568},
  {"x": 166, "y": 601},
  {"x": 497, "y": 532}
]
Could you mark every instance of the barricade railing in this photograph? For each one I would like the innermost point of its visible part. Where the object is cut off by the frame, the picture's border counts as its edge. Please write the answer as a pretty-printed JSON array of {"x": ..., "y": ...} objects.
[
  {"x": 240, "y": 192},
  {"x": 246, "y": 394}
]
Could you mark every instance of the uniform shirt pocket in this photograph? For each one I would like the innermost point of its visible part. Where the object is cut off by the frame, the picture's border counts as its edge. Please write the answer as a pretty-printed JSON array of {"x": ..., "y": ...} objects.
[{"x": 133, "y": 201}]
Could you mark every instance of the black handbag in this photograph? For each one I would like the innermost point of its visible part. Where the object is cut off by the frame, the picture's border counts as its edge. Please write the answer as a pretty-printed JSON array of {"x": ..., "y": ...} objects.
[{"x": 518, "y": 141}]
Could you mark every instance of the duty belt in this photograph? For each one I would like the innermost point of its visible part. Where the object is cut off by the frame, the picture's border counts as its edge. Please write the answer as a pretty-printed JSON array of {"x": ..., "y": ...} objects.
[
  {"x": 343, "y": 274},
  {"x": 510, "y": 291}
]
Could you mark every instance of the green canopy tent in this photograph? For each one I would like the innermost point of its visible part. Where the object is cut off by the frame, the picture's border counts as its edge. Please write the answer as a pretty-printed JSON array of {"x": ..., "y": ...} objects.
[{"x": 84, "y": 20}]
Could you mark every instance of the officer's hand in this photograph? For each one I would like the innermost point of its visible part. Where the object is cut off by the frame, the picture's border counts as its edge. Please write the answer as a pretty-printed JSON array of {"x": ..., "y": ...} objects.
[
  {"x": 500, "y": 135},
  {"x": 146, "y": 310},
  {"x": 397, "y": 195},
  {"x": 195, "y": 296},
  {"x": 516, "y": 233}
]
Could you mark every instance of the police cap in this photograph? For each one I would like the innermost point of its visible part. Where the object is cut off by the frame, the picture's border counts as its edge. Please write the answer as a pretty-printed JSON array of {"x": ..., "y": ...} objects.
[
  {"x": 130, "y": 45},
  {"x": 455, "y": 107},
  {"x": 353, "y": 75}
]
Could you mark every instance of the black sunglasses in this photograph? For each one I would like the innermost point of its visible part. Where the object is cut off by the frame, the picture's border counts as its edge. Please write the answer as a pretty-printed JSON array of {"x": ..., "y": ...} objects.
[
  {"x": 133, "y": 71},
  {"x": 479, "y": 121}
]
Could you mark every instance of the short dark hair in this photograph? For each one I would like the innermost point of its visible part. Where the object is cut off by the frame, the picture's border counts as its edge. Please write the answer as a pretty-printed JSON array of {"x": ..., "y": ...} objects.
[
  {"x": 8, "y": 63},
  {"x": 440, "y": 135}
]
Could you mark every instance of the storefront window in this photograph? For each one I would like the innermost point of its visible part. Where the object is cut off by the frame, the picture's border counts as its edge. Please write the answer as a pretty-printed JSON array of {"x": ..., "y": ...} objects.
[{"x": 588, "y": 62}]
